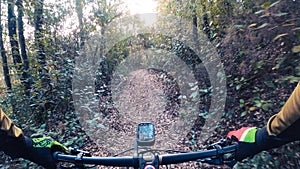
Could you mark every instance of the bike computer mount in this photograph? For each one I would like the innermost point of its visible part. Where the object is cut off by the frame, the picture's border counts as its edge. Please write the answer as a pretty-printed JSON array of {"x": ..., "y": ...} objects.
[{"x": 145, "y": 135}]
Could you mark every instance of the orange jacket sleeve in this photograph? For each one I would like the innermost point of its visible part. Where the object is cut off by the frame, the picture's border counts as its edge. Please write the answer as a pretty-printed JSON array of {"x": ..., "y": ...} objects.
[
  {"x": 289, "y": 114},
  {"x": 7, "y": 126}
]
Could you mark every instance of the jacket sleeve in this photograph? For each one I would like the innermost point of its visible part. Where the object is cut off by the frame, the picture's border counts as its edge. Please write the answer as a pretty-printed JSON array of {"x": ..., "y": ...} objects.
[
  {"x": 288, "y": 118},
  {"x": 282, "y": 128},
  {"x": 7, "y": 126},
  {"x": 12, "y": 140}
]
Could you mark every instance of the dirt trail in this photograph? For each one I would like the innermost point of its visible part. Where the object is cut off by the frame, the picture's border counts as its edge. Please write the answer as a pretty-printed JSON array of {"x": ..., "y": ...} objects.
[
  {"x": 141, "y": 97},
  {"x": 144, "y": 96}
]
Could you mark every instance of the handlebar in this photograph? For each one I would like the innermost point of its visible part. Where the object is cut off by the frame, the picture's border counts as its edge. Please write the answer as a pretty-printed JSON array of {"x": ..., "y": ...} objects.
[
  {"x": 213, "y": 155},
  {"x": 193, "y": 156},
  {"x": 216, "y": 153},
  {"x": 105, "y": 161}
]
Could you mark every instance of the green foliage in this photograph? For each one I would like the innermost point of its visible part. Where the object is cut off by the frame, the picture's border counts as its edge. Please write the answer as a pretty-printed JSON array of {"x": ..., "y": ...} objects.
[
  {"x": 262, "y": 160},
  {"x": 213, "y": 16},
  {"x": 293, "y": 78},
  {"x": 267, "y": 11},
  {"x": 296, "y": 49},
  {"x": 238, "y": 83}
]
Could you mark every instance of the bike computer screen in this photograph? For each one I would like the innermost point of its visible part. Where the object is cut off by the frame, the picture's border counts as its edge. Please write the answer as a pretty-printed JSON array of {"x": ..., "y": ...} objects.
[{"x": 145, "y": 134}]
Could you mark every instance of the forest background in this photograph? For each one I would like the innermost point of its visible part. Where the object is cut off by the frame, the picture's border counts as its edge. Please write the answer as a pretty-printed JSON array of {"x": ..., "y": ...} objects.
[{"x": 258, "y": 43}]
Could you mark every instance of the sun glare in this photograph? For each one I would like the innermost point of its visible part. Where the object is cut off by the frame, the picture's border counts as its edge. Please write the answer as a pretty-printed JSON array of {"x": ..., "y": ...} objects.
[{"x": 141, "y": 6}]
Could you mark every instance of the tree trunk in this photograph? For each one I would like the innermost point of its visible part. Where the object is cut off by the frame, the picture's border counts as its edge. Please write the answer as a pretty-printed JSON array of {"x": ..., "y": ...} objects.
[
  {"x": 45, "y": 87},
  {"x": 26, "y": 74},
  {"x": 4, "y": 57},
  {"x": 102, "y": 40},
  {"x": 79, "y": 6},
  {"x": 38, "y": 34},
  {"x": 205, "y": 26},
  {"x": 40, "y": 44},
  {"x": 195, "y": 27},
  {"x": 12, "y": 32}
]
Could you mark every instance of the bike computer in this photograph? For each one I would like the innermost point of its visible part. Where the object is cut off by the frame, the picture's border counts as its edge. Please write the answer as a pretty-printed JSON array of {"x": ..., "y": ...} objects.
[{"x": 145, "y": 135}]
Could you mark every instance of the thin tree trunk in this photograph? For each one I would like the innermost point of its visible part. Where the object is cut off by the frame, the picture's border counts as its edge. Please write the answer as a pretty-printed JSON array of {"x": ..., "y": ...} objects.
[
  {"x": 205, "y": 26},
  {"x": 38, "y": 13},
  {"x": 195, "y": 27},
  {"x": 45, "y": 90},
  {"x": 102, "y": 40},
  {"x": 40, "y": 44},
  {"x": 79, "y": 6},
  {"x": 4, "y": 57},
  {"x": 26, "y": 74},
  {"x": 12, "y": 32}
]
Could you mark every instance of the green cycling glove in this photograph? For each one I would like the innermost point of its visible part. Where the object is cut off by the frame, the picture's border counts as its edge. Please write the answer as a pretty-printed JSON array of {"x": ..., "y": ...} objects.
[
  {"x": 40, "y": 151},
  {"x": 252, "y": 140}
]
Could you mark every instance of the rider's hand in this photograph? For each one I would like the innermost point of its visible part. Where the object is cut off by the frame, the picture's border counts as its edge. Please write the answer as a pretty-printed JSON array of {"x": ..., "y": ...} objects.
[
  {"x": 252, "y": 140},
  {"x": 246, "y": 142},
  {"x": 40, "y": 151}
]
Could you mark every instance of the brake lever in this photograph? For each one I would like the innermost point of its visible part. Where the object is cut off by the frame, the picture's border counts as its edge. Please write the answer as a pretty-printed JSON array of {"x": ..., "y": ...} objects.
[
  {"x": 220, "y": 158},
  {"x": 222, "y": 143},
  {"x": 79, "y": 155},
  {"x": 218, "y": 161},
  {"x": 81, "y": 152}
]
